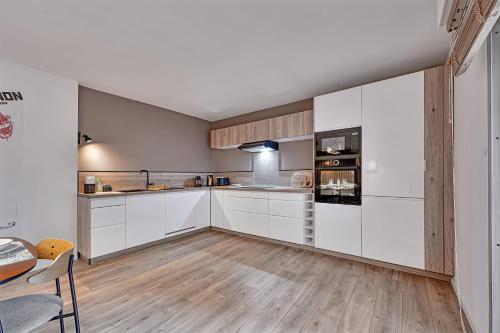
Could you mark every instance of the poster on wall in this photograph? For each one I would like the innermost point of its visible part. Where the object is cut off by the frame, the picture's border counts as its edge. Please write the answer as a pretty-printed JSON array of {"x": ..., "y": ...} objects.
[{"x": 11, "y": 147}]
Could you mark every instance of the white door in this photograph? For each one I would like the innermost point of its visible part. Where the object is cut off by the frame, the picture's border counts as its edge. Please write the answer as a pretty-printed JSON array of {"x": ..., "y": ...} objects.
[
  {"x": 338, "y": 110},
  {"x": 338, "y": 228},
  {"x": 181, "y": 211},
  {"x": 393, "y": 230},
  {"x": 393, "y": 137},
  {"x": 11, "y": 147},
  {"x": 203, "y": 209},
  {"x": 145, "y": 219}
]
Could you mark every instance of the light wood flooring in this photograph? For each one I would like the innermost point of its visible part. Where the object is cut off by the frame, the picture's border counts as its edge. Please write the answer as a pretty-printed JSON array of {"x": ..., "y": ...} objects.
[{"x": 217, "y": 282}]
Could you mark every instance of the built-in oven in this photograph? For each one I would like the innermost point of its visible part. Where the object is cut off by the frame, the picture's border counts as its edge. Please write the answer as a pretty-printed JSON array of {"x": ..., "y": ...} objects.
[{"x": 338, "y": 166}]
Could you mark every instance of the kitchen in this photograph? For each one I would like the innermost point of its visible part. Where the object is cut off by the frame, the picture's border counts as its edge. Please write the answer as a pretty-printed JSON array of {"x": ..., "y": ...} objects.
[{"x": 233, "y": 205}]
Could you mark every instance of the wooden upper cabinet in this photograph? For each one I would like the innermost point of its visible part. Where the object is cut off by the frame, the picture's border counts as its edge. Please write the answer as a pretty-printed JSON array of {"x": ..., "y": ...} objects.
[{"x": 291, "y": 125}]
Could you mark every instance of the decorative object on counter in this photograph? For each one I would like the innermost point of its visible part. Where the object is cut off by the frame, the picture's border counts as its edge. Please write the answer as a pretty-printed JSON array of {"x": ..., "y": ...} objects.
[
  {"x": 210, "y": 180},
  {"x": 158, "y": 187},
  {"x": 197, "y": 181},
  {"x": 107, "y": 188},
  {"x": 99, "y": 187},
  {"x": 301, "y": 179},
  {"x": 223, "y": 181},
  {"x": 89, "y": 186}
]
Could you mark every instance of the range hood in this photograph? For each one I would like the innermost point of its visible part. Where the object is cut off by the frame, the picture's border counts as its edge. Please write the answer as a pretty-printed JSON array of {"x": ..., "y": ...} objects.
[{"x": 259, "y": 146}]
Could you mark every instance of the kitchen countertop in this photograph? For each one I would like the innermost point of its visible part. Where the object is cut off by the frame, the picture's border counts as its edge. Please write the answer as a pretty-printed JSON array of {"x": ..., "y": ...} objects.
[
  {"x": 265, "y": 189},
  {"x": 121, "y": 194},
  {"x": 203, "y": 188}
]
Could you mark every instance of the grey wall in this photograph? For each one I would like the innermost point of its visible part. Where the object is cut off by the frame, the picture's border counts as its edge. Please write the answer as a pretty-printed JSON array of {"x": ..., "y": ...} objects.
[{"x": 130, "y": 135}]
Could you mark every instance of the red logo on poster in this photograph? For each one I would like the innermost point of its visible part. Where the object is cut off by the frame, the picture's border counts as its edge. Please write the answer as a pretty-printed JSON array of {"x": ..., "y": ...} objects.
[{"x": 6, "y": 127}]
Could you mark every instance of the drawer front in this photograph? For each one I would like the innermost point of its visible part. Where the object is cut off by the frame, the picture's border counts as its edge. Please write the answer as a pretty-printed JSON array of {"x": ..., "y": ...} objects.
[
  {"x": 106, "y": 240},
  {"x": 107, "y": 202},
  {"x": 338, "y": 228},
  {"x": 100, "y": 217},
  {"x": 249, "y": 205},
  {"x": 286, "y": 229},
  {"x": 293, "y": 209},
  {"x": 249, "y": 223},
  {"x": 247, "y": 194},
  {"x": 286, "y": 196}
]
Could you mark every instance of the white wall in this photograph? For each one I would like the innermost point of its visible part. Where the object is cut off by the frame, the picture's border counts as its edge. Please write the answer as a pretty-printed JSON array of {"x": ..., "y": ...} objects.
[
  {"x": 471, "y": 190},
  {"x": 49, "y": 166}
]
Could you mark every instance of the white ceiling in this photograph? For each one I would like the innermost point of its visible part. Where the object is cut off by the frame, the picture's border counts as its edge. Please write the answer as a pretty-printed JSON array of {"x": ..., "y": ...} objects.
[{"x": 220, "y": 58}]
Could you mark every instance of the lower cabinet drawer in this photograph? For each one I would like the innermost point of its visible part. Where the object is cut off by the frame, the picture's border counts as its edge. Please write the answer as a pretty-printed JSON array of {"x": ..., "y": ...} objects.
[
  {"x": 100, "y": 217},
  {"x": 249, "y": 223},
  {"x": 249, "y": 205},
  {"x": 293, "y": 209},
  {"x": 106, "y": 240},
  {"x": 286, "y": 229}
]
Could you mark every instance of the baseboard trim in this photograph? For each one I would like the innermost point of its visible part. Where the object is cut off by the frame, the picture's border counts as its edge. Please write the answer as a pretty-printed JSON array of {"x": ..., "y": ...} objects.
[
  {"x": 140, "y": 247},
  {"x": 416, "y": 271}
]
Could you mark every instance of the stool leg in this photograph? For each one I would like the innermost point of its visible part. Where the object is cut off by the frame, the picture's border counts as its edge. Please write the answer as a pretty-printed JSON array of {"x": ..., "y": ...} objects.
[
  {"x": 73, "y": 295},
  {"x": 58, "y": 293}
]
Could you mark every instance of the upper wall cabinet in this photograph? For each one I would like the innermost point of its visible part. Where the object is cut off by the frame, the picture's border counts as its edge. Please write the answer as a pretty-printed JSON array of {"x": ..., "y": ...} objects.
[
  {"x": 341, "y": 109},
  {"x": 291, "y": 125},
  {"x": 285, "y": 128},
  {"x": 393, "y": 137}
]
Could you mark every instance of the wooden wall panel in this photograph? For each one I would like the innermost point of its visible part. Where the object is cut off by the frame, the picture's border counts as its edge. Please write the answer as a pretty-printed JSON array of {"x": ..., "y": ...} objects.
[
  {"x": 433, "y": 183},
  {"x": 448, "y": 188}
]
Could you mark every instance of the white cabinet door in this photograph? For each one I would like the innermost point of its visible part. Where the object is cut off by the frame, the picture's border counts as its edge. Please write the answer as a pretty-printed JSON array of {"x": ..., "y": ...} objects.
[
  {"x": 145, "y": 218},
  {"x": 393, "y": 137},
  {"x": 249, "y": 205},
  {"x": 106, "y": 240},
  {"x": 203, "y": 209},
  {"x": 393, "y": 230},
  {"x": 217, "y": 209},
  {"x": 293, "y": 209},
  {"x": 286, "y": 229},
  {"x": 181, "y": 211},
  {"x": 249, "y": 223},
  {"x": 341, "y": 109},
  {"x": 338, "y": 228}
]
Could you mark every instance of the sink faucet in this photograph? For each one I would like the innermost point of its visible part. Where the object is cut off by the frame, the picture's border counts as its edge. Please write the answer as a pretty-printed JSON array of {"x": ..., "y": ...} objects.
[{"x": 147, "y": 177}]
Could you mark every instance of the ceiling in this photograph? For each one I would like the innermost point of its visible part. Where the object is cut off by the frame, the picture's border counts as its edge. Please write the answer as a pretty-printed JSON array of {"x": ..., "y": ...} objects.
[{"x": 220, "y": 58}]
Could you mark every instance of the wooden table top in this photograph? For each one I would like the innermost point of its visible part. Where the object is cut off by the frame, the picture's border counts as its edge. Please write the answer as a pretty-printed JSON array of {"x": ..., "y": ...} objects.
[{"x": 12, "y": 271}]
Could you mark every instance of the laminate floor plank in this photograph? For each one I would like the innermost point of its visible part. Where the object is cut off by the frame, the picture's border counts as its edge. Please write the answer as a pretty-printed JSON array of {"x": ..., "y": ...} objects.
[{"x": 218, "y": 282}]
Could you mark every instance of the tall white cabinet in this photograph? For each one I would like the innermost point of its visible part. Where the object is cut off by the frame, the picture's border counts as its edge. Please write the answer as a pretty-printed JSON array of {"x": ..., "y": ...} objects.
[
  {"x": 338, "y": 110},
  {"x": 393, "y": 137},
  {"x": 389, "y": 225}
]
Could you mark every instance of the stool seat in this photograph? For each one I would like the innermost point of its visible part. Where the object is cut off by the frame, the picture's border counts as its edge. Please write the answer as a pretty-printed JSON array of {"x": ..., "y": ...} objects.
[{"x": 25, "y": 313}]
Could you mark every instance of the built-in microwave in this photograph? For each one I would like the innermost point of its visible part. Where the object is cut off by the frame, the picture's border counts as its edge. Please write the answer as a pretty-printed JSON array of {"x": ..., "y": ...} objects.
[{"x": 338, "y": 166}]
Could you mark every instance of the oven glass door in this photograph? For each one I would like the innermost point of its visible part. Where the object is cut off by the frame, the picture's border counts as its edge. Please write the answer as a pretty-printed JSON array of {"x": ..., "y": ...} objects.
[{"x": 338, "y": 142}]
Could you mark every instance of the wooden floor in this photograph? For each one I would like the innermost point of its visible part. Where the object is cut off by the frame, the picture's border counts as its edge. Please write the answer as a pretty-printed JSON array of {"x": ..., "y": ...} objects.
[{"x": 216, "y": 282}]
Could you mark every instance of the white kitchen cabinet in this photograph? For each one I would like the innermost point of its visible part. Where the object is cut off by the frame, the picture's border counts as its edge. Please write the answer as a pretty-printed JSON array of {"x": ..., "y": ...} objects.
[
  {"x": 249, "y": 223},
  {"x": 249, "y": 205},
  {"x": 202, "y": 209},
  {"x": 107, "y": 239},
  {"x": 393, "y": 137},
  {"x": 217, "y": 209},
  {"x": 145, "y": 215},
  {"x": 393, "y": 230},
  {"x": 338, "y": 228},
  {"x": 338, "y": 110},
  {"x": 180, "y": 211},
  {"x": 286, "y": 229},
  {"x": 294, "y": 209}
]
